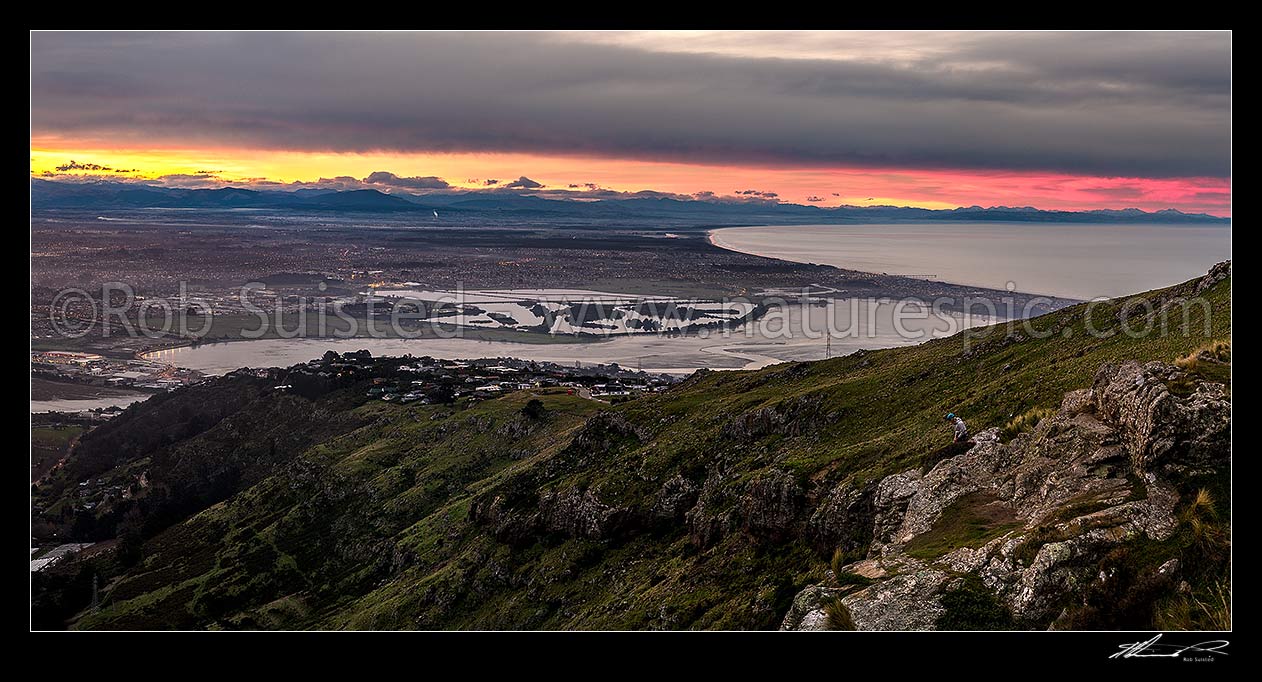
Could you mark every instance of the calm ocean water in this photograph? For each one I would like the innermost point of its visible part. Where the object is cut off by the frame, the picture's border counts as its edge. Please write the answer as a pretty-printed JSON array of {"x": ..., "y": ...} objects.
[{"x": 1073, "y": 260}]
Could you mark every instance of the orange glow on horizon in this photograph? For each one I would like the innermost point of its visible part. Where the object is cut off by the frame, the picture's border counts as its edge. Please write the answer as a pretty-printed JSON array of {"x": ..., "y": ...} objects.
[{"x": 924, "y": 188}]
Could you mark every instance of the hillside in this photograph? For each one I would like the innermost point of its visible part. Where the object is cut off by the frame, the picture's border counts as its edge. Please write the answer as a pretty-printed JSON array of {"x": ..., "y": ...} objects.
[{"x": 736, "y": 500}]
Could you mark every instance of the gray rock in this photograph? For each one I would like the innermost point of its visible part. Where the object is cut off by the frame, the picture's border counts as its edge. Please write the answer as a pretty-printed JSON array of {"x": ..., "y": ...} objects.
[
  {"x": 575, "y": 513},
  {"x": 807, "y": 611},
  {"x": 906, "y": 601},
  {"x": 1076, "y": 402},
  {"x": 1157, "y": 426},
  {"x": 889, "y": 505},
  {"x": 843, "y": 520},
  {"x": 1216, "y": 274},
  {"x": 674, "y": 500},
  {"x": 771, "y": 505}
]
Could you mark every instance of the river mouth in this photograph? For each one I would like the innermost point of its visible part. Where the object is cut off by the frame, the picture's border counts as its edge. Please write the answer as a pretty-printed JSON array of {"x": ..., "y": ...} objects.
[
  {"x": 1073, "y": 260},
  {"x": 796, "y": 332}
]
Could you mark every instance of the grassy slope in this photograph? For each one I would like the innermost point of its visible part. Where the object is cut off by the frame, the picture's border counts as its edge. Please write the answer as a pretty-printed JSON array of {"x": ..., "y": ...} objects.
[
  {"x": 372, "y": 530},
  {"x": 49, "y": 444}
]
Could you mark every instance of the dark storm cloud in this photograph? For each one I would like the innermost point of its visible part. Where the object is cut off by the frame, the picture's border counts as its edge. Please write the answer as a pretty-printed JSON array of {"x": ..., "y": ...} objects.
[
  {"x": 391, "y": 180},
  {"x": 523, "y": 183},
  {"x": 1128, "y": 104}
]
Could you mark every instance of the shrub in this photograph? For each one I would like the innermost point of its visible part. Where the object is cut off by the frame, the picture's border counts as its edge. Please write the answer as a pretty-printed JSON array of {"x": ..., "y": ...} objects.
[
  {"x": 534, "y": 409},
  {"x": 970, "y": 605}
]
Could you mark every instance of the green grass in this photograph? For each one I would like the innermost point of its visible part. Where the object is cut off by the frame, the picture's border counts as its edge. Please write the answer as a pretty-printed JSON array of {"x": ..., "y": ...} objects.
[
  {"x": 54, "y": 436},
  {"x": 971, "y": 521}
]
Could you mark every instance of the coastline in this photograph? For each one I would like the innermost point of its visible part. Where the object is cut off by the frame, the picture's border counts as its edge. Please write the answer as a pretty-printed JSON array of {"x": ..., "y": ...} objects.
[{"x": 1066, "y": 261}]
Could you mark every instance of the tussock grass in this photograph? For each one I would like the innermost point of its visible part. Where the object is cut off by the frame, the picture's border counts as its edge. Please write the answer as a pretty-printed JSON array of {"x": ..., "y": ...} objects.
[
  {"x": 1209, "y": 362},
  {"x": 843, "y": 577},
  {"x": 1201, "y": 517},
  {"x": 1217, "y": 351},
  {"x": 1024, "y": 422},
  {"x": 839, "y": 617},
  {"x": 1208, "y": 610},
  {"x": 839, "y": 560}
]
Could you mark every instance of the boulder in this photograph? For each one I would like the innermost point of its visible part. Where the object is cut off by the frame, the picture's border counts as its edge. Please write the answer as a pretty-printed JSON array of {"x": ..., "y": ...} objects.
[{"x": 807, "y": 611}]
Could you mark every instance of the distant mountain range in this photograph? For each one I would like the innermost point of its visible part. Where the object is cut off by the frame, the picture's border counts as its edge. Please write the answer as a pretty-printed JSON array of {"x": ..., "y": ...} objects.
[{"x": 48, "y": 194}]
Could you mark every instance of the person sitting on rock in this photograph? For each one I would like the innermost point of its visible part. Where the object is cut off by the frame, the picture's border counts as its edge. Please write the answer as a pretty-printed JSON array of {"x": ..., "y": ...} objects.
[{"x": 959, "y": 427}]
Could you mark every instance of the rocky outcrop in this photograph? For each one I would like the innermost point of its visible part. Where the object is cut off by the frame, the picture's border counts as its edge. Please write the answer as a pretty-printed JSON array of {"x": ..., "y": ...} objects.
[
  {"x": 790, "y": 417},
  {"x": 576, "y": 514},
  {"x": 770, "y": 506},
  {"x": 893, "y": 494},
  {"x": 570, "y": 513},
  {"x": 1216, "y": 274},
  {"x": 1034, "y": 517},
  {"x": 1158, "y": 428},
  {"x": 712, "y": 517},
  {"x": 605, "y": 432},
  {"x": 674, "y": 500},
  {"x": 905, "y": 601},
  {"x": 843, "y": 520}
]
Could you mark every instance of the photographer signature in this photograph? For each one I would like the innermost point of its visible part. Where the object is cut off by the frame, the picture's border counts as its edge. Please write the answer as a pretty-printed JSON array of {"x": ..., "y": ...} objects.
[{"x": 1154, "y": 649}]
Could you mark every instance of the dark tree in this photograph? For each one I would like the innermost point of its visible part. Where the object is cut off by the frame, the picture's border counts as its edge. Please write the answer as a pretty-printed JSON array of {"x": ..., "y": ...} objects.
[
  {"x": 534, "y": 409},
  {"x": 130, "y": 537}
]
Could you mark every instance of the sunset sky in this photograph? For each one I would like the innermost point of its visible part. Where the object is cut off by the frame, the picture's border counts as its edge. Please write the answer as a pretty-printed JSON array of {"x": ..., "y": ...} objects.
[{"x": 939, "y": 120}]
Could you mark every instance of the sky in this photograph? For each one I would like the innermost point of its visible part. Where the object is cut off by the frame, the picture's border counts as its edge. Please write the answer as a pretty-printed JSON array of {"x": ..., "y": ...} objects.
[{"x": 1059, "y": 120}]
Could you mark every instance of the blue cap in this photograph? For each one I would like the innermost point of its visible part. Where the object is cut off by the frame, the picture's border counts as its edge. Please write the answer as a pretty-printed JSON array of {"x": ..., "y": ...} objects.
[{"x": 950, "y": 415}]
